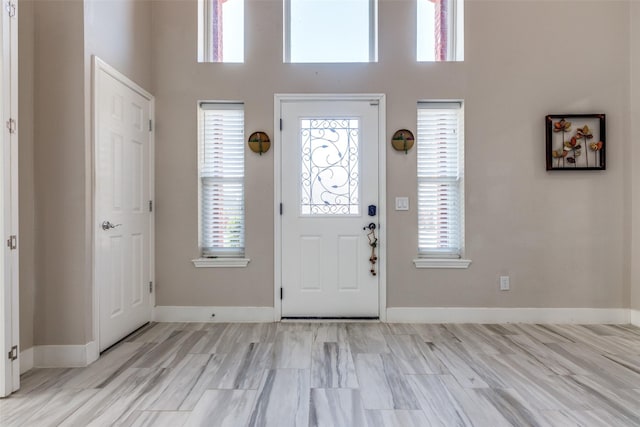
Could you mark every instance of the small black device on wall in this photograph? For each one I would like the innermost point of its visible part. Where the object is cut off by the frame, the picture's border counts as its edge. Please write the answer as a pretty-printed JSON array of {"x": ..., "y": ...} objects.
[{"x": 372, "y": 210}]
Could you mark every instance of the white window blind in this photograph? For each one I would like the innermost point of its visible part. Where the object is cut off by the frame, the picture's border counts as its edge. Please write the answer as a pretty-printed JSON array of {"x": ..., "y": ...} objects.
[
  {"x": 221, "y": 172},
  {"x": 440, "y": 180}
]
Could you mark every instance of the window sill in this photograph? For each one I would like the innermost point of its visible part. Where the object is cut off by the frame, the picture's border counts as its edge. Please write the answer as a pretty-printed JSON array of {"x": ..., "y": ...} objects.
[
  {"x": 220, "y": 262},
  {"x": 441, "y": 263}
]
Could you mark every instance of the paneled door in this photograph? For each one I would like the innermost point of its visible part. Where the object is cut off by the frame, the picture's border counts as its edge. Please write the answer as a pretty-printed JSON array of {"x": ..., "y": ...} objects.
[
  {"x": 123, "y": 204},
  {"x": 329, "y": 179}
]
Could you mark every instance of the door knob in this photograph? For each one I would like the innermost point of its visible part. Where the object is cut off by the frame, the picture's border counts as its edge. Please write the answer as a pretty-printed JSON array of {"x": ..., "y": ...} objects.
[{"x": 106, "y": 225}]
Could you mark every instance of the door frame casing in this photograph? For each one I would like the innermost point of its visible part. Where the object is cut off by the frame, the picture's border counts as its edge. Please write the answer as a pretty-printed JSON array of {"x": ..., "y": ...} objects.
[
  {"x": 10, "y": 269},
  {"x": 100, "y": 65},
  {"x": 279, "y": 99}
]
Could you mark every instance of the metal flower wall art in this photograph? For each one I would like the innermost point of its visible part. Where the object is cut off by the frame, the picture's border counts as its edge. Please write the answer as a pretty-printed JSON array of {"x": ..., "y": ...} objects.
[{"x": 576, "y": 142}]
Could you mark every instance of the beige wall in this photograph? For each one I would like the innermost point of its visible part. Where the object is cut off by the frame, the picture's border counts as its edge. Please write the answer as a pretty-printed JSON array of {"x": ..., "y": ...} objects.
[
  {"x": 119, "y": 32},
  {"x": 57, "y": 157},
  {"x": 560, "y": 236},
  {"x": 635, "y": 157},
  {"x": 59, "y": 173},
  {"x": 26, "y": 176}
]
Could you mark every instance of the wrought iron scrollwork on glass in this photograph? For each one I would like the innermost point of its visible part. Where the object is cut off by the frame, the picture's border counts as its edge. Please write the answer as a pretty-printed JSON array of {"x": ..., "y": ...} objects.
[{"x": 330, "y": 166}]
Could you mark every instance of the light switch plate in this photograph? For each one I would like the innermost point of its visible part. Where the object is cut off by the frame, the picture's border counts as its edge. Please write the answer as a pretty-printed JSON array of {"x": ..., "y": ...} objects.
[{"x": 402, "y": 203}]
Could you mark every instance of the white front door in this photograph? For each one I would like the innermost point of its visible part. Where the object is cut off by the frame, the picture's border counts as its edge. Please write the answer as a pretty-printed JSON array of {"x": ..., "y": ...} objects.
[
  {"x": 123, "y": 218},
  {"x": 329, "y": 178}
]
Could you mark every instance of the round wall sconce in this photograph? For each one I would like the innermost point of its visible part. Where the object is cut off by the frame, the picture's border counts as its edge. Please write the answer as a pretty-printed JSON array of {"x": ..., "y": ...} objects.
[
  {"x": 259, "y": 142},
  {"x": 402, "y": 140}
]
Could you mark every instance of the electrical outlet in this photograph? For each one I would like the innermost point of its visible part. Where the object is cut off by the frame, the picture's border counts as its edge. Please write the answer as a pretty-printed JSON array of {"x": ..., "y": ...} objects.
[{"x": 504, "y": 283}]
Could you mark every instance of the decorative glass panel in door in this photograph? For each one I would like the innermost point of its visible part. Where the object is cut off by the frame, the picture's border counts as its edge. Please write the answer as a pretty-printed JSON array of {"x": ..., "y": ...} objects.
[{"x": 330, "y": 166}]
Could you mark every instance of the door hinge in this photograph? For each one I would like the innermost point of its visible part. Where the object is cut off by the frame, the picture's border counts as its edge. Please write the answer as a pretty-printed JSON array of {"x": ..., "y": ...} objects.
[
  {"x": 150, "y": 125},
  {"x": 280, "y": 124},
  {"x": 150, "y": 287},
  {"x": 280, "y": 208},
  {"x": 11, "y": 9},
  {"x": 150, "y": 205},
  {"x": 12, "y": 242},
  {"x": 11, "y": 125},
  {"x": 13, "y": 354},
  {"x": 281, "y": 293}
]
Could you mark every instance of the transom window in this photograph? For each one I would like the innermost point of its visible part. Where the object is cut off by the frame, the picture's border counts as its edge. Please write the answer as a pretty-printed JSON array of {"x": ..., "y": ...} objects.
[
  {"x": 440, "y": 30},
  {"x": 221, "y": 30},
  {"x": 330, "y": 31}
]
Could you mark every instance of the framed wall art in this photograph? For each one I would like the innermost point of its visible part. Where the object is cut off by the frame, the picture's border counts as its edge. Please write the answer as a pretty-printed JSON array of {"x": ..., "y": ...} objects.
[{"x": 576, "y": 141}]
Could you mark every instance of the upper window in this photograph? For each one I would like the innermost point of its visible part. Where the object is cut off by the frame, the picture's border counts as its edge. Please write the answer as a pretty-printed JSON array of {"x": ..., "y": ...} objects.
[
  {"x": 440, "y": 180},
  {"x": 221, "y": 31},
  {"x": 440, "y": 30},
  {"x": 330, "y": 31},
  {"x": 221, "y": 173}
]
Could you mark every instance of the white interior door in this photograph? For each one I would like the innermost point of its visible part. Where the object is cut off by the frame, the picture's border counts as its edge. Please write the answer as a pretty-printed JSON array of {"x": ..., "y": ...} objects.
[
  {"x": 9, "y": 267},
  {"x": 329, "y": 177},
  {"x": 123, "y": 217}
]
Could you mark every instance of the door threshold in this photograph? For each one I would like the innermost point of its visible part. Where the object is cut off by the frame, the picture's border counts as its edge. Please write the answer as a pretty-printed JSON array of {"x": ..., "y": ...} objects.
[{"x": 332, "y": 319}]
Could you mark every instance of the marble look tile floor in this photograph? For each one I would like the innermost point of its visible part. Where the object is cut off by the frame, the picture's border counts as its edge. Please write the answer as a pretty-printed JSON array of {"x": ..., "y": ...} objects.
[{"x": 345, "y": 374}]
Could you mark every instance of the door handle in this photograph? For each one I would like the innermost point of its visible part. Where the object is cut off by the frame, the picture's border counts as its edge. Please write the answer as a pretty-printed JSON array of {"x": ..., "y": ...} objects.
[
  {"x": 373, "y": 243},
  {"x": 106, "y": 225}
]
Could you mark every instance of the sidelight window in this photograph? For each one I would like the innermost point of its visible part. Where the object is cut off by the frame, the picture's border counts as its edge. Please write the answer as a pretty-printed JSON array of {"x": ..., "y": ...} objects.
[
  {"x": 221, "y": 179},
  {"x": 440, "y": 180}
]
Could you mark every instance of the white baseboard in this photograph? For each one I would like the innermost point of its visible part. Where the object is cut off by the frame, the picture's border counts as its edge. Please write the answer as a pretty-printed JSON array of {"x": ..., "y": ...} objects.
[
  {"x": 64, "y": 356},
  {"x": 413, "y": 315},
  {"x": 26, "y": 360},
  {"x": 204, "y": 314},
  {"x": 507, "y": 315},
  {"x": 93, "y": 352},
  {"x": 634, "y": 317}
]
